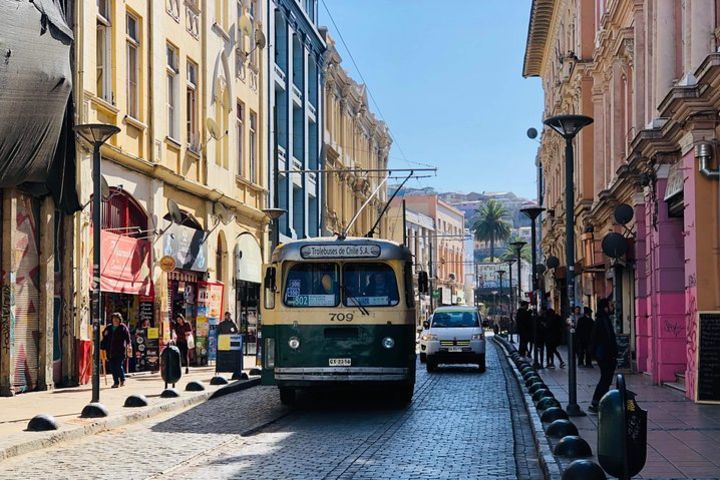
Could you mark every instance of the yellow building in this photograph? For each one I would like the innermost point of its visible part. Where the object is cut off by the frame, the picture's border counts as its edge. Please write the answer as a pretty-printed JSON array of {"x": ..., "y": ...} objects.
[
  {"x": 355, "y": 141},
  {"x": 183, "y": 81}
]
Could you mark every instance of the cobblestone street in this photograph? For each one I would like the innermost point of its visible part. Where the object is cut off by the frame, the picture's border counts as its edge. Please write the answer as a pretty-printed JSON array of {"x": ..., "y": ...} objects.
[{"x": 459, "y": 425}]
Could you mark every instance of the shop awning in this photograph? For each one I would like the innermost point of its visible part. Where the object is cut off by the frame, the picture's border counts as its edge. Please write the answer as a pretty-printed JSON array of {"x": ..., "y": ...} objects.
[
  {"x": 248, "y": 259},
  {"x": 675, "y": 181},
  {"x": 125, "y": 264}
]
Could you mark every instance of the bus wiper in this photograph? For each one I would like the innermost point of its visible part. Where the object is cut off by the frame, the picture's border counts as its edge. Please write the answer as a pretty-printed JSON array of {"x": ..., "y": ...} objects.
[{"x": 360, "y": 307}]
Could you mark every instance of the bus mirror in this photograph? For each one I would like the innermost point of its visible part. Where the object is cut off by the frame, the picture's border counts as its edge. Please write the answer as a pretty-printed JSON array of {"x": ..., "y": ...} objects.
[
  {"x": 269, "y": 282},
  {"x": 423, "y": 284}
]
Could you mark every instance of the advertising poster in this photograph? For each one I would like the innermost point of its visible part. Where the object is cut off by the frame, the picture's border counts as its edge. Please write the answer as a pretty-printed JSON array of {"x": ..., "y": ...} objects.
[{"x": 210, "y": 302}]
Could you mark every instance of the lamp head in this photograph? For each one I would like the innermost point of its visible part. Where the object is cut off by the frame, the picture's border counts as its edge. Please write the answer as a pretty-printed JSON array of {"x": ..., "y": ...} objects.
[
  {"x": 532, "y": 212},
  {"x": 96, "y": 133},
  {"x": 568, "y": 125},
  {"x": 274, "y": 213},
  {"x": 518, "y": 245}
]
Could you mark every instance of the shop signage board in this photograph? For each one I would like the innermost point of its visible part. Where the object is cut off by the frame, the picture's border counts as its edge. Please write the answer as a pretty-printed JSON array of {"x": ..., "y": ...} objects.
[
  {"x": 187, "y": 246},
  {"x": 317, "y": 252},
  {"x": 708, "y": 358},
  {"x": 167, "y": 263},
  {"x": 248, "y": 259},
  {"x": 210, "y": 302},
  {"x": 623, "y": 347},
  {"x": 124, "y": 264}
]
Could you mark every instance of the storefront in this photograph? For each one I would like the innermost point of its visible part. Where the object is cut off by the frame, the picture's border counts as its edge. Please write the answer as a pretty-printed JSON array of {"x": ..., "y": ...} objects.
[{"x": 248, "y": 267}]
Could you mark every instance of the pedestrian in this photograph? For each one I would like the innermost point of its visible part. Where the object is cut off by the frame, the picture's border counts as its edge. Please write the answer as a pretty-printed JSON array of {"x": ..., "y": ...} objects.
[
  {"x": 583, "y": 335},
  {"x": 524, "y": 326},
  {"x": 184, "y": 339},
  {"x": 116, "y": 340},
  {"x": 604, "y": 349},
  {"x": 227, "y": 326},
  {"x": 542, "y": 332},
  {"x": 554, "y": 336}
]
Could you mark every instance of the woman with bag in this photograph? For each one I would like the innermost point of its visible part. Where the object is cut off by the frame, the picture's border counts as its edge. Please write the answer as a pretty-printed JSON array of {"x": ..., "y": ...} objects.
[
  {"x": 116, "y": 342},
  {"x": 184, "y": 339}
]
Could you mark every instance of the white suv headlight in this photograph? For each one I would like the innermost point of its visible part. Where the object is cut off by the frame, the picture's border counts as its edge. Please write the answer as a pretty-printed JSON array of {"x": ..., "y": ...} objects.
[
  {"x": 429, "y": 337},
  {"x": 477, "y": 336}
]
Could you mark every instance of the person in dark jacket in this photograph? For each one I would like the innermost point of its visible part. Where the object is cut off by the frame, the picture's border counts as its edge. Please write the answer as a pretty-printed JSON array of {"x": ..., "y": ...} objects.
[
  {"x": 116, "y": 339},
  {"x": 227, "y": 326},
  {"x": 524, "y": 326},
  {"x": 553, "y": 338},
  {"x": 604, "y": 349},
  {"x": 183, "y": 330},
  {"x": 583, "y": 336}
]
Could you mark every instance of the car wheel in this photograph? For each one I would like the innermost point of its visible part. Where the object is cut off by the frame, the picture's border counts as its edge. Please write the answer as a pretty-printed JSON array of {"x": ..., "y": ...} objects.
[
  {"x": 481, "y": 363},
  {"x": 287, "y": 396},
  {"x": 431, "y": 364},
  {"x": 423, "y": 357}
]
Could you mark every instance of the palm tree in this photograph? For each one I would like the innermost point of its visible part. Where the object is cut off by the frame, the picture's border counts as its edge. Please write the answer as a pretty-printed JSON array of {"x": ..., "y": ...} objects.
[{"x": 490, "y": 225}]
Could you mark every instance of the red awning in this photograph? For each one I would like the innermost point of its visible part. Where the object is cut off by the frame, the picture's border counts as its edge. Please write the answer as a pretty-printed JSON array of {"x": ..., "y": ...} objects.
[{"x": 125, "y": 264}]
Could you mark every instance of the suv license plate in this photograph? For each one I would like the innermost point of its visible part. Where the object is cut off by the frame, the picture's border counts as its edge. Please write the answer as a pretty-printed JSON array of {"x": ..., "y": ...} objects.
[
  {"x": 454, "y": 349},
  {"x": 340, "y": 362}
]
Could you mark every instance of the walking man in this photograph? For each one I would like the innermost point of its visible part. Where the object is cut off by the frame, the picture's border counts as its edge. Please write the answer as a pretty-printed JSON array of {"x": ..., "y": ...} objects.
[
  {"x": 554, "y": 337},
  {"x": 584, "y": 336},
  {"x": 524, "y": 326},
  {"x": 604, "y": 349}
]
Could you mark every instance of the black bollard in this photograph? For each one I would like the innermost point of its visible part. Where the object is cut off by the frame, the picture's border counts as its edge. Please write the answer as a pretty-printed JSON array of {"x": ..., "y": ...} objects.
[
  {"x": 572, "y": 446},
  {"x": 42, "y": 423},
  {"x": 561, "y": 428},
  {"x": 583, "y": 470},
  {"x": 94, "y": 410},
  {"x": 194, "y": 386},
  {"x": 136, "y": 401}
]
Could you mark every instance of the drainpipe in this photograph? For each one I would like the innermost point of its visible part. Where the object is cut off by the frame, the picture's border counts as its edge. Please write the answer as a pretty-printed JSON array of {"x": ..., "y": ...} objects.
[{"x": 703, "y": 152}]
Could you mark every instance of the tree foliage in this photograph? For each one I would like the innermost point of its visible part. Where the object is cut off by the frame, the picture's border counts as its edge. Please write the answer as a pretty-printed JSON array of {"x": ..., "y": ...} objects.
[{"x": 491, "y": 225}]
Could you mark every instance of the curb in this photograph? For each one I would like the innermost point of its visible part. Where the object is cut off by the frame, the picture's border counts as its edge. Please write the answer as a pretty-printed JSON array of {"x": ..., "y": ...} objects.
[
  {"x": 549, "y": 464},
  {"x": 74, "y": 433}
]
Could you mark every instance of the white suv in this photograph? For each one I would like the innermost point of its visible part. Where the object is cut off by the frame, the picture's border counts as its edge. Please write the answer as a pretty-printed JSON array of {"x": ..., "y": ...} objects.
[{"x": 454, "y": 335}]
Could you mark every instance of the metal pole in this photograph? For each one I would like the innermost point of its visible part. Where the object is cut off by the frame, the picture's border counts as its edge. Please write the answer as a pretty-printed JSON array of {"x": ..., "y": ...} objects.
[
  {"x": 405, "y": 235},
  {"x": 97, "y": 301},
  {"x": 276, "y": 183},
  {"x": 573, "y": 409},
  {"x": 618, "y": 294},
  {"x": 430, "y": 271},
  {"x": 510, "y": 296},
  {"x": 536, "y": 364}
]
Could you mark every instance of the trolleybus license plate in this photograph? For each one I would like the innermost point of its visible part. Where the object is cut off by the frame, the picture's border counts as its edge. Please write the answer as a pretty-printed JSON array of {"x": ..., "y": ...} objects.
[
  {"x": 340, "y": 362},
  {"x": 455, "y": 349}
]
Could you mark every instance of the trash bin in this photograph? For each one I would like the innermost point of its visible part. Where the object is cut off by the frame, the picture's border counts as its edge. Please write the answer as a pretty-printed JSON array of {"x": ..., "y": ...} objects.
[
  {"x": 230, "y": 353},
  {"x": 622, "y": 432},
  {"x": 170, "y": 365}
]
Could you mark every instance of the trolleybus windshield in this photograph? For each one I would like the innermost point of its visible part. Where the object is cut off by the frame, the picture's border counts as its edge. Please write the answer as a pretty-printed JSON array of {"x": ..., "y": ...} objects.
[
  {"x": 312, "y": 285},
  {"x": 370, "y": 285}
]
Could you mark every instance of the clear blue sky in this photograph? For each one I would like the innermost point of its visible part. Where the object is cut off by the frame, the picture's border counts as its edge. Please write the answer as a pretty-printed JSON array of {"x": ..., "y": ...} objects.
[{"x": 447, "y": 77}]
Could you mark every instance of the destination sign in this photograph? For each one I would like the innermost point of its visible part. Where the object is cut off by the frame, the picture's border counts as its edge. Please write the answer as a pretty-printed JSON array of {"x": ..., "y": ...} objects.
[{"x": 311, "y": 252}]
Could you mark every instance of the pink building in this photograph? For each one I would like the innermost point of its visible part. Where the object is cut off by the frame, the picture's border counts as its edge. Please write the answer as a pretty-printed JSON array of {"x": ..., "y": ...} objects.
[{"x": 648, "y": 72}]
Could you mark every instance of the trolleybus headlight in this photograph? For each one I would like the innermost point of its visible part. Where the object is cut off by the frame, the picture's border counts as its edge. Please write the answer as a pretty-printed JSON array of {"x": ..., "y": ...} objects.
[
  {"x": 294, "y": 343},
  {"x": 388, "y": 343}
]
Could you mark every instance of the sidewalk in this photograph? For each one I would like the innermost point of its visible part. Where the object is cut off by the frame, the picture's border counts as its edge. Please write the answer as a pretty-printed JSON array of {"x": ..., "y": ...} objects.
[
  {"x": 66, "y": 404},
  {"x": 683, "y": 437}
]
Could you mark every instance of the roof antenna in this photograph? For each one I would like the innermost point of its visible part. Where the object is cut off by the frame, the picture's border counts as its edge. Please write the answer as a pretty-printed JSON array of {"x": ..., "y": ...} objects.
[{"x": 372, "y": 230}]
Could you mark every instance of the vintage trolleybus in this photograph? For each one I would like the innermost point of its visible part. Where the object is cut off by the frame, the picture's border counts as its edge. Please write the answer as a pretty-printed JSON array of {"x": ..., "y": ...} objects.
[{"x": 339, "y": 312}]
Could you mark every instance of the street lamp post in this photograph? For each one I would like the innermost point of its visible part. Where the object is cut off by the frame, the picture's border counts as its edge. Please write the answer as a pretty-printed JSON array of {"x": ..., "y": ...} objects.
[
  {"x": 96, "y": 134},
  {"x": 518, "y": 246},
  {"x": 500, "y": 275},
  {"x": 568, "y": 127},
  {"x": 533, "y": 213},
  {"x": 510, "y": 261}
]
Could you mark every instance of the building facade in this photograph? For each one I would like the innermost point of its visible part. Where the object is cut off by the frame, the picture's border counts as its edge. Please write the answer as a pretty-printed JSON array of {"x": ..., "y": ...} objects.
[
  {"x": 355, "y": 141},
  {"x": 648, "y": 73},
  {"x": 295, "y": 98},
  {"x": 186, "y": 175}
]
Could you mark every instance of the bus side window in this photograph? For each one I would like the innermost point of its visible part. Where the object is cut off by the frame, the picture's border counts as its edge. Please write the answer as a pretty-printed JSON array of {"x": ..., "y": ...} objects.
[
  {"x": 409, "y": 287},
  {"x": 270, "y": 287}
]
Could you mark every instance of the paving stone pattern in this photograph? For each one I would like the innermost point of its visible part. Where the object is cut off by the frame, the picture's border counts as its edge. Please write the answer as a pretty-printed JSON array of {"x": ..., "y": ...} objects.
[{"x": 459, "y": 426}]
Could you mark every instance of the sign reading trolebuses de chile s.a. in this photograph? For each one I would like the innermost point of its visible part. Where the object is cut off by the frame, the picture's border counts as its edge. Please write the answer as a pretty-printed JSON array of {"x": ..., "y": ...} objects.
[{"x": 312, "y": 252}]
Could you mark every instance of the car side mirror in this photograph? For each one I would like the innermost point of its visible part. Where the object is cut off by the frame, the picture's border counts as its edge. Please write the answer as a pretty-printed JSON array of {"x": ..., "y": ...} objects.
[
  {"x": 426, "y": 324},
  {"x": 423, "y": 283}
]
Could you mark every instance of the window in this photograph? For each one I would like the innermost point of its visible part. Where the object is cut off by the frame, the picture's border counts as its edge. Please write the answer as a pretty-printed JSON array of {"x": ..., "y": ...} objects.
[
  {"x": 241, "y": 138},
  {"x": 133, "y": 65},
  {"x": 172, "y": 72},
  {"x": 192, "y": 17},
  {"x": 252, "y": 147},
  {"x": 370, "y": 284},
  {"x": 409, "y": 289},
  {"x": 457, "y": 319},
  {"x": 191, "y": 106},
  {"x": 254, "y": 12},
  {"x": 104, "y": 51},
  {"x": 173, "y": 8},
  {"x": 312, "y": 285}
]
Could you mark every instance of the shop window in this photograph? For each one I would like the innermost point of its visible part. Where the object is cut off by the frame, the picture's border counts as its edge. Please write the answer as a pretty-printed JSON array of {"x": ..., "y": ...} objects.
[{"x": 121, "y": 214}]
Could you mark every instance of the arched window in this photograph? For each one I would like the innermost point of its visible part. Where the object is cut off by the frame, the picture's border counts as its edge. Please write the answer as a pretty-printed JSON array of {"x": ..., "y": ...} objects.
[{"x": 122, "y": 214}]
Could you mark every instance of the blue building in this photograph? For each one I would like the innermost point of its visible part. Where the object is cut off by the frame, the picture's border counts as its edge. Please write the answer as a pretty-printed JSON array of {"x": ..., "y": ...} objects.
[{"x": 295, "y": 53}]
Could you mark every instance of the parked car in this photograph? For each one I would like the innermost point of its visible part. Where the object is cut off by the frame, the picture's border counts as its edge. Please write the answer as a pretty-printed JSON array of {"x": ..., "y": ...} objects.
[
  {"x": 453, "y": 335},
  {"x": 423, "y": 342}
]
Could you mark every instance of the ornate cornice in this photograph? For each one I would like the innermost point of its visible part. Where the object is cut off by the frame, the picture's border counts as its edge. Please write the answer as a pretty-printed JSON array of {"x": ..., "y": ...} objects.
[{"x": 541, "y": 15}]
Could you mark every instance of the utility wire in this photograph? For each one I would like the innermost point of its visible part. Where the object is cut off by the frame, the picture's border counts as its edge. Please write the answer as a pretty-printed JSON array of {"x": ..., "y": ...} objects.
[{"x": 367, "y": 86}]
